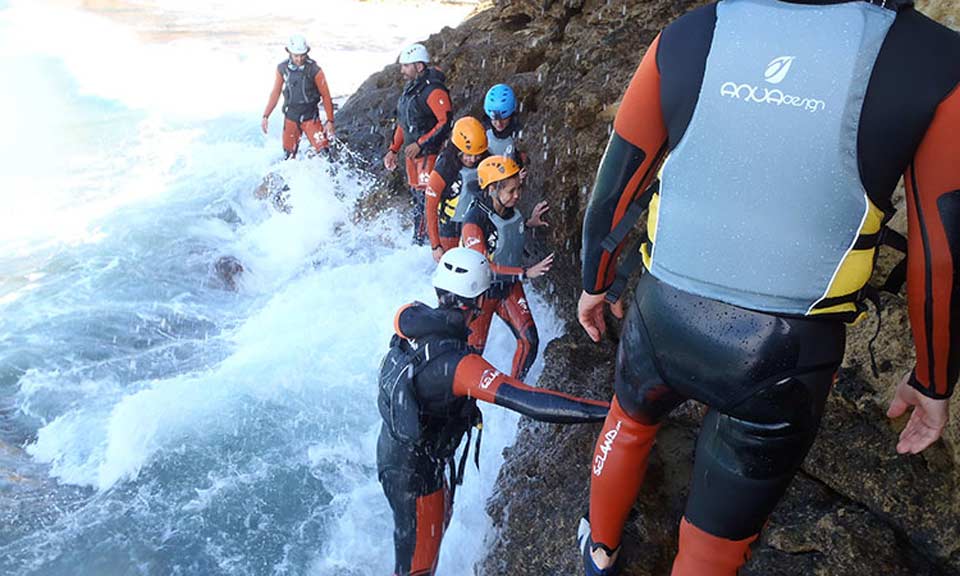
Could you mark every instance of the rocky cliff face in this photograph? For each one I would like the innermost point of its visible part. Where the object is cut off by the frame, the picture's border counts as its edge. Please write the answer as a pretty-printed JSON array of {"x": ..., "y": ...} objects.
[{"x": 856, "y": 507}]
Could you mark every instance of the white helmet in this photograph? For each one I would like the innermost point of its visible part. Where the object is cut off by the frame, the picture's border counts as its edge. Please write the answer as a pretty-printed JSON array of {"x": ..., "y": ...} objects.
[
  {"x": 463, "y": 272},
  {"x": 297, "y": 45},
  {"x": 414, "y": 53}
]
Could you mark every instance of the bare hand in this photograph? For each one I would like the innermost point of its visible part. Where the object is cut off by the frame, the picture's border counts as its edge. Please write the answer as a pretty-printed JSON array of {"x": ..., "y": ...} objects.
[
  {"x": 540, "y": 268},
  {"x": 411, "y": 150},
  {"x": 926, "y": 422},
  {"x": 390, "y": 161},
  {"x": 263, "y": 124},
  {"x": 329, "y": 131},
  {"x": 437, "y": 253},
  {"x": 539, "y": 210},
  {"x": 523, "y": 174},
  {"x": 590, "y": 314}
]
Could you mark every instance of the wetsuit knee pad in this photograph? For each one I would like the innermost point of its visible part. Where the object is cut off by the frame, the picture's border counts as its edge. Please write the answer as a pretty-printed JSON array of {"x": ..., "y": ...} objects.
[{"x": 742, "y": 469}]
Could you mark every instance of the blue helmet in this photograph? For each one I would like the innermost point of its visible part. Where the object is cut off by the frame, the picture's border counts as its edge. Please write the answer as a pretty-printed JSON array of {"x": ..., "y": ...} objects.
[{"x": 500, "y": 103}]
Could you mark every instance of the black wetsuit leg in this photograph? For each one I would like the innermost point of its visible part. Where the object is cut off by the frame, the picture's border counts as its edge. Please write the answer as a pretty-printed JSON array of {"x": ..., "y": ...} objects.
[
  {"x": 419, "y": 217},
  {"x": 764, "y": 377},
  {"x": 417, "y": 491}
]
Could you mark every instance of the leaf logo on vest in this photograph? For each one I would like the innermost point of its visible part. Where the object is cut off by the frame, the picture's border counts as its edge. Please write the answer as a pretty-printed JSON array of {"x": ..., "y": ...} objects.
[
  {"x": 487, "y": 378},
  {"x": 601, "y": 458},
  {"x": 775, "y": 73},
  {"x": 777, "y": 69}
]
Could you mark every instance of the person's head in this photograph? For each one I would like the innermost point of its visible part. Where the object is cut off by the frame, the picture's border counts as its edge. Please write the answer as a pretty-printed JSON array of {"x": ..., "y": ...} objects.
[
  {"x": 499, "y": 104},
  {"x": 499, "y": 177},
  {"x": 470, "y": 139},
  {"x": 413, "y": 61},
  {"x": 297, "y": 48},
  {"x": 461, "y": 278}
]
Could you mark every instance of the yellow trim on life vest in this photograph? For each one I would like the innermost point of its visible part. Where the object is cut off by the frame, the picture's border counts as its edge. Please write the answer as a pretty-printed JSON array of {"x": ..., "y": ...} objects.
[
  {"x": 857, "y": 265},
  {"x": 844, "y": 308},
  {"x": 652, "y": 216}
]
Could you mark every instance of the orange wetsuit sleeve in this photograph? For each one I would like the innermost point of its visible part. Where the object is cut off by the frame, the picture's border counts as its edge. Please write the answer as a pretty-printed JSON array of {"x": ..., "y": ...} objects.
[
  {"x": 274, "y": 94},
  {"x": 435, "y": 188},
  {"x": 321, "y": 81},
  {"x": 477, "y": 378},
  {"x": 629, "y": 164},
  {"x": 439, "y": 103},
  {"x": 472, "y": 236},
  {"x": 397, "y": 142},
  {"x": 933, "y": 268}
]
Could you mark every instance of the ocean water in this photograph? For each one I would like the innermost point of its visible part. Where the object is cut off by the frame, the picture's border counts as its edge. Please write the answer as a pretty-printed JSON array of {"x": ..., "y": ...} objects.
[{"x": 151, "y": 420}]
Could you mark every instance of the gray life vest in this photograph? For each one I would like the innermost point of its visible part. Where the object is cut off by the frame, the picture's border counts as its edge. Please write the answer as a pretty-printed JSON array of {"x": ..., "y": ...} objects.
[
  {"x": 500, "y": 146},
  {"x": 761, "y": 200},
  {"x": 299, "y": 87},
  {"x": 469, "y": 191},
  {"x": 508, "y": 250}
]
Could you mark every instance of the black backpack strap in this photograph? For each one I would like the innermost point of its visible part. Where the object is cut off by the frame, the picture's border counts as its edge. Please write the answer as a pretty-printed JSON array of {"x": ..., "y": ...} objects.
[
  {"x": 898, "y": 275},
  {"x": 634, "y": 258},
  {"x": 630, "y": 218}
]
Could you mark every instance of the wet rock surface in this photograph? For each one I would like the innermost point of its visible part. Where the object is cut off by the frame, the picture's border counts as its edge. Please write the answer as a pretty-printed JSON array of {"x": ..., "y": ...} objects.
[{"x": 855, "y": 508}]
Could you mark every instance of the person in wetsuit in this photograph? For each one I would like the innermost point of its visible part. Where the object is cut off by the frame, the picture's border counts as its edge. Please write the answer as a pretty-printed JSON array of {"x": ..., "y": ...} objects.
[
  {"x": 304, "y": 88},
  {"x": 423, "y": 125},
  {"x": 504, "y": 126},
  {"x": 787, "y": 127},
  {"x": 495, "y": 227},
  {"x": 430, "y": 382},
  {"x": 453, "y": 184}
]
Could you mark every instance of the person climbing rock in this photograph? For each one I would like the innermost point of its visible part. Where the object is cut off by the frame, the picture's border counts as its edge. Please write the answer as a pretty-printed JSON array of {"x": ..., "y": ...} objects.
[
  {"x": 504, "y": 126},
  {"x": 423, "y": 125},
  {"x": 495, "y": 227},
  {"x": 453, "y": 184},
  {"x": 430, "y": 382},
  {"x": 786, "y": 126}
]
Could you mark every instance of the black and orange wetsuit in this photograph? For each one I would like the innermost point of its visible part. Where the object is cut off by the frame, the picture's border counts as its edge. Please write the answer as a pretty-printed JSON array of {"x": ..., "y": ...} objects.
[
  {"x": 786, "y": 127},
  {"x": 304, "y": 88},
  {"x": 501, "y": 239},
  {"x": 423, "y": 116},
  {"x": 450, "y": 191},
  {"x": 412, "y": 465}
]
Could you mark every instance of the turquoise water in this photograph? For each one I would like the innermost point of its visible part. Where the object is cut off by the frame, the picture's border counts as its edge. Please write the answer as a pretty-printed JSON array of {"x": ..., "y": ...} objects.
[{"x": 151, "y": 420}]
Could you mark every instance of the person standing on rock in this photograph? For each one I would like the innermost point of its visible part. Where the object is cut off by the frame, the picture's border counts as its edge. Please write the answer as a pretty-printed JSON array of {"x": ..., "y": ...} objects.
[
  {"x": 503, "y": 124},
  {"x": 784, "y": 153},
  {"x": 304, "y": 88},
  {"x": 423, "y": 125},
  {"x": 430, "y": 382},
  {"x": 453, "y": 184},
  {"x": 494, "y": 227}
]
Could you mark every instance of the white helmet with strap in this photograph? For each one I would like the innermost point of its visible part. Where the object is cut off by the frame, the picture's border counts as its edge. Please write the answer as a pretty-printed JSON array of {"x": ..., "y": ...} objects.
[
  {"x": 297, "y": 45},
  {"x": 414, "y": 53},
  {"x": 463, "y": 272}
]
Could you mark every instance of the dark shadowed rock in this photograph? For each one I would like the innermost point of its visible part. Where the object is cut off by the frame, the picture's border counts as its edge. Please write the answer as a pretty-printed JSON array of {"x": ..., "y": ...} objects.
[{"x": 856, "y": 508}]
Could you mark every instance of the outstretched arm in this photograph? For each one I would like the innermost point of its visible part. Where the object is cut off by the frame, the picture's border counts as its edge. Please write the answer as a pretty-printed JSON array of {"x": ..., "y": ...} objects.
[
  {"x": 477, "y": 378},
  {"x": 933, "y": 279}
]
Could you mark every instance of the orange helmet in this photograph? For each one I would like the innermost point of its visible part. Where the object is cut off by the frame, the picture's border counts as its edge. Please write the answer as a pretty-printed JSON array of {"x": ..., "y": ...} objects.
[
  {"x": 469, "y": 136},
  {"x": 495, "y": 169}
]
